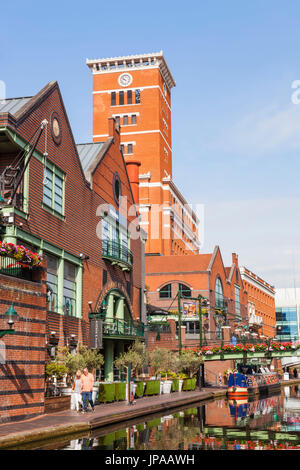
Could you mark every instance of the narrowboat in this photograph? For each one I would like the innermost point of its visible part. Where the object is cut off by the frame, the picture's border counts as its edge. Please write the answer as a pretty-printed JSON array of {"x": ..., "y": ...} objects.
[{"x": 242, "y": 385}]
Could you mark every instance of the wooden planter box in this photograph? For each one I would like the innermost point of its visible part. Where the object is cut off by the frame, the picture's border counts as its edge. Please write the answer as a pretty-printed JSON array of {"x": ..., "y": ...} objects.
[{"x": 55, "y": 404}]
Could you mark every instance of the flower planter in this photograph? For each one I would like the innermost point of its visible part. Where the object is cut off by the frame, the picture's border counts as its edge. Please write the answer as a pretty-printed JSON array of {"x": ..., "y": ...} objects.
[
  {"x": 166, "y": 386},
  {"x": 180, "y": 385}
]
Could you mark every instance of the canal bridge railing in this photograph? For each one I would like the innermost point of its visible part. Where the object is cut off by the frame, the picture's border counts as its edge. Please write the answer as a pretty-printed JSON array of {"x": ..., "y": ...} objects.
[{"x": 249, "y": 351}]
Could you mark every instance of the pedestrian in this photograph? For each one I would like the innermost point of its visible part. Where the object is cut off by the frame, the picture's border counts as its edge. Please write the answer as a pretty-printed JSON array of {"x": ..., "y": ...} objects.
[
  {"x": 87, "y": 383},
  {"x": 77, "y": 391},
  {"x": 220, "y": 379},
  {"x": 295, "y": 373}
]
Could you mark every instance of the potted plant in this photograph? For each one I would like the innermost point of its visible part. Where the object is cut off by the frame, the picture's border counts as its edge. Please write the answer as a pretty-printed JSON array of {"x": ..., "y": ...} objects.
[
  {"x": 164, "y": 361},
  {"x": 85, "y": 357},
  {"x": 189, "y": 363},
  {"x": 136, "y": 357}
]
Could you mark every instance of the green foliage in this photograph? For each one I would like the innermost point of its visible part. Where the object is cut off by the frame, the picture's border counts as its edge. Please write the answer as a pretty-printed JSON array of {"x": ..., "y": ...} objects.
[
  {"x": 153, "y": 423},
  {"x": 163, "y": 360},
  {"x": 106, "y": 393},
  {"x": 189, "y": 362},
  {"x": 136, "y": 355},
  {"x": 56, "y": 368},
  {"x": 152, "y": 387},
  {"x": 89, "y": 358}
]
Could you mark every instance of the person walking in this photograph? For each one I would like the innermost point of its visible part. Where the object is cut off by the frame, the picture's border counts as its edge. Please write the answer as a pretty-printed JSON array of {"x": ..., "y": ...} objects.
[
  {"x": 77, "y": 391},
  {"x": 87, "y": 383}
]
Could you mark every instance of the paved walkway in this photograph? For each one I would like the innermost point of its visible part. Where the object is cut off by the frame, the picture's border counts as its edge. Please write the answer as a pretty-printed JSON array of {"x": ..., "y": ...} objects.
[{"x": 67, "y": 422}]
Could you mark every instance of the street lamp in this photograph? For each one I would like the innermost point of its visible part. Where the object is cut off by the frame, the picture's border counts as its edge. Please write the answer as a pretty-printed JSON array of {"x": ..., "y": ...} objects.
[{"x": 12, "y": 316}]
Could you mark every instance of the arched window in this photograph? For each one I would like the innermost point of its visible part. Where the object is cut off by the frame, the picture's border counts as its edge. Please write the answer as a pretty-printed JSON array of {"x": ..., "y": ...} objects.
[
  {"x": 165, "y": 292},
  {"x": 184, "y": 290},
  {"x": 219, "y": 293}
]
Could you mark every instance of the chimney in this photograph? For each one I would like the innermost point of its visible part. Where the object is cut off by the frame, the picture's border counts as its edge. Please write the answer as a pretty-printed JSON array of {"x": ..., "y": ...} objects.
[
  {"x": 133, "y": 175},
  {"x": 235, "y": 259}
]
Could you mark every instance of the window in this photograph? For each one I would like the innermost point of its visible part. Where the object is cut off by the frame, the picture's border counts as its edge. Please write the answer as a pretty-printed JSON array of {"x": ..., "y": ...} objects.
[
  {"x": 137, "y": 96},
  {"x": 130, "y": 148},
  {"x": 115, "y": 240},
  {"x": 133, "y": 119},
  {"x": 129, "y": 97},
  {"x": 52, "y": 282},
  {"x": 219, "y": 294},
  {"x": 121, "y": 98},
  {"x": 113, "y": 99},
  {"x": 237, "y": 302},
  {"x": 117, "y": 119},
  {"x": 165, "y": 292},
  {"x": 125, "y": 121},
  {"x": 185, "y": 290},
  {"x": 70, "y": 289},
  {"x": 53, "y": 188}
]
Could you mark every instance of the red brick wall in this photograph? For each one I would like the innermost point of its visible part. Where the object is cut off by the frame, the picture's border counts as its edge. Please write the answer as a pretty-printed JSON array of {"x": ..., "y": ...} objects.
[
  {"x": 77, "y": 232},
  {"x": 22, "y": 376}
]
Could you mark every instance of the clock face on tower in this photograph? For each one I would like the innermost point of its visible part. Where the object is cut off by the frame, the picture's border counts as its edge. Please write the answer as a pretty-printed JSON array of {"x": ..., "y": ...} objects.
[{"x": 125, "y": 79}]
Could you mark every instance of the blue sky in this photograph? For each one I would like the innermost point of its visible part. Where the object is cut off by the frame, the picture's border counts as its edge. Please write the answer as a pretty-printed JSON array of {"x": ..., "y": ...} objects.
[{"x": 236, "y": 132}]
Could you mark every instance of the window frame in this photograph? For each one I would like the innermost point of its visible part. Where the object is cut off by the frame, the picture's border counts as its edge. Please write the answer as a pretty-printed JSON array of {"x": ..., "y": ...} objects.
[{"x": 56, "y": 174}]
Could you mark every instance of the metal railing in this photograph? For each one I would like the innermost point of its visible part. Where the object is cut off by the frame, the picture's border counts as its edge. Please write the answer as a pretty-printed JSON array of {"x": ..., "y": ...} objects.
[
  {"x": 12, "y": 267},
  {"x": 116, "y": 251},
  {"x": 117, "y": 327}
]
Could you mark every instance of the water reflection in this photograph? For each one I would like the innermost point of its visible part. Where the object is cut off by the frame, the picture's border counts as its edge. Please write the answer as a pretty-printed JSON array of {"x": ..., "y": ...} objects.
[{"x": 269, "y": 423}]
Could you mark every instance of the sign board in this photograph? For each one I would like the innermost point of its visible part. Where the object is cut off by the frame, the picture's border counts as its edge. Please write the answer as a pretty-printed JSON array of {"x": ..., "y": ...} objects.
[
  {"x": 189, "y": 309},
  {"x": 96, "y": 333}
]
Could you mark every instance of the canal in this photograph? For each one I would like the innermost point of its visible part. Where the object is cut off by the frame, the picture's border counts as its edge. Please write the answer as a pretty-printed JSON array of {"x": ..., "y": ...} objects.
[{"x": 268, "y": 423}]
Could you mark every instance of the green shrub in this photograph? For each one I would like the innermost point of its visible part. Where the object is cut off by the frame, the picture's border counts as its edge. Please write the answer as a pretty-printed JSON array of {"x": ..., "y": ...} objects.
[
  {"x": 139, "y": 389},
  {"x": 175, "y": 385},
  {"x": 153, "y": 423},
  {"x": 152, "y": 387},
  {"x": 120, "y": 391},
  {"x": 190, "y": 411},
  {"x": 189, "y": 384},
  {"x": 140, "y": 427},
  {"x": 106, "y": 393},
  {"x": 121, "y": 434}
]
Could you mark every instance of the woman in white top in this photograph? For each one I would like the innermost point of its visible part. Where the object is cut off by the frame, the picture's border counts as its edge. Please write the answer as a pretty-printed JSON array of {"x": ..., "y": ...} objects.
[{"x": 77, "y": 391}]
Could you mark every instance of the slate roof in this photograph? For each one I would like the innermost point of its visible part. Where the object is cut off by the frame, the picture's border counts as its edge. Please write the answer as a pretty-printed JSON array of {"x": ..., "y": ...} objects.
[{"x": 13, "y": 105}]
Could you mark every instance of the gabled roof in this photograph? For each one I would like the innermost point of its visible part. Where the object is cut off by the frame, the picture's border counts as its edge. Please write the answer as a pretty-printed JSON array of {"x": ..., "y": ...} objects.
[{"x": 13, "y": 105}]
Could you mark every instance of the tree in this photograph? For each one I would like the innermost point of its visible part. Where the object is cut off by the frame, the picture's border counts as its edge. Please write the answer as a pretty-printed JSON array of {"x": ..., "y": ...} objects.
[
  {"x": 189, "y": 362},
  {"x": 163, "y": 360},
  {"x": 136, "y": 356},
  {"x": 85, "y": 357}
]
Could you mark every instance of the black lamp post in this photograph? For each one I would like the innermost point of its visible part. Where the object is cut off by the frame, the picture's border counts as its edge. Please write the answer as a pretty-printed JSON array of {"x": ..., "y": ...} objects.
[{"x": 12, "y": 316}]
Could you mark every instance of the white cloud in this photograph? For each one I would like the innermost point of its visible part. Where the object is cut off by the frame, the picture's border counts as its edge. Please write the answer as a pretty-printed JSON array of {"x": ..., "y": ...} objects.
[{"x": 269, "y": 129}]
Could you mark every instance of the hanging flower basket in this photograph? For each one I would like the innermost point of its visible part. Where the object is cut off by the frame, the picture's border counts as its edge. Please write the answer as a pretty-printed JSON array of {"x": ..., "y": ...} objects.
[{"x": 21, "y": 254}]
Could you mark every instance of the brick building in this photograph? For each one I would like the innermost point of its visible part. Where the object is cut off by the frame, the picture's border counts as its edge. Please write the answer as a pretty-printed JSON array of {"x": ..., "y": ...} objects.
[
  {"x": 261, "y": 304},
  {"x": 63, "y": 201},
  {"x": 22, "y": 354},
  {"x": 136, "y": 90},
  {"x": 203, "y": 275}
]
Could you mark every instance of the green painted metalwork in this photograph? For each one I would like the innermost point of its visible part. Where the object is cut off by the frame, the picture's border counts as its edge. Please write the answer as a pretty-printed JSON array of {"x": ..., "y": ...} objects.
[
  {"x": 116, "y": 328},
  {"x": 116, "y": 251}
]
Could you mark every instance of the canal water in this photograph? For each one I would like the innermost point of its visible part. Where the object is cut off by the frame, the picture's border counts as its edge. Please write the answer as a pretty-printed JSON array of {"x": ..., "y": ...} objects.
[{"x": 270, "y": 423}]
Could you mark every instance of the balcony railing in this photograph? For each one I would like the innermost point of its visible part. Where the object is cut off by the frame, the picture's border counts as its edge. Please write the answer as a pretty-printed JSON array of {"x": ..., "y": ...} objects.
[
  {"x": 11, "y": 267},
  {"x": 116, "y": 251},
  {"x": 117, "y": 327}
]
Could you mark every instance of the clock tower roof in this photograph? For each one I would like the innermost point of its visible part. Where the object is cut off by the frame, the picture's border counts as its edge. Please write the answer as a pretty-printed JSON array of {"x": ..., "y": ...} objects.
[{"x": 133, "y": 62}]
